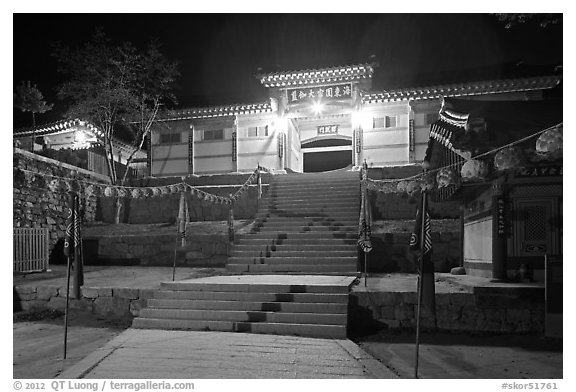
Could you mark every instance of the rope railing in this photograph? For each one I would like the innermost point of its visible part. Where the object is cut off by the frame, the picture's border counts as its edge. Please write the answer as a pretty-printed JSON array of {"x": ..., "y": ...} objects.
[{"x": 80, "y": 185}]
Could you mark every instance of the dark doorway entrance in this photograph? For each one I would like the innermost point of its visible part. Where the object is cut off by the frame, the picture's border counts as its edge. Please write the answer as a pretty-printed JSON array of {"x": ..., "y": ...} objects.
[{"x": 326, "y": 161}]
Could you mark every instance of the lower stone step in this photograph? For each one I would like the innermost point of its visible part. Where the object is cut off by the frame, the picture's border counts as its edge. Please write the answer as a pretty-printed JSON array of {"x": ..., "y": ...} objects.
[
  {"x": 289, "y": 307},
  {"x": 310, "y": 330},
  {"x": 344, "y": 269},
  {"x": 300, "y": 298},
  {"x": 309, "y": 253},
  {"x": 312, "y": 260},
  {"x": 243, "y": 315}
]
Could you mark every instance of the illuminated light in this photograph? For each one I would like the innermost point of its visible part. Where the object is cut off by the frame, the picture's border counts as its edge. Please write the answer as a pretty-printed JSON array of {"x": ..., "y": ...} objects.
[
  {"x": 317, "y": 107},
  {"x": 80, "y": 137}
]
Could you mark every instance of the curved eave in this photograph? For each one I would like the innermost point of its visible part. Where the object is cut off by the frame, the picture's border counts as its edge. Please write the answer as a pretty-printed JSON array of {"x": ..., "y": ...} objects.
[
  {"x": 464, "y": 89},
  {"x": 218, "y": 111},
  {"x": 317, "y": 76}
]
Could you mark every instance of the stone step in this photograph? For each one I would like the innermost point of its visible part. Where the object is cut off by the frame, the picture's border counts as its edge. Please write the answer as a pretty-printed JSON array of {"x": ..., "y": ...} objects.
[
  {"x": 314, "y": 220},
  {"x": 320, "y": 203},
  {"x": 308, "y": 192},
  {"x": 295, "y": 247},
  {"x": 304, "y": 228},
  {"x": 242, "y": 315},
  {"x": 296, "y": 242},
  {"x": 308, "y": 235},
  {"x": 304, "y": 261},
  {"x": 308, "y": 260},
  {"x": 310, "y": 330},
  {"x": 263, "y": 297},
  {"x": 345, "y": 269},
  {"x": 289, "y": 307},
  {"x": 312, "y": 253},
  {"x": 332, "y": 216},
  {"x": 191, "y": 285}
]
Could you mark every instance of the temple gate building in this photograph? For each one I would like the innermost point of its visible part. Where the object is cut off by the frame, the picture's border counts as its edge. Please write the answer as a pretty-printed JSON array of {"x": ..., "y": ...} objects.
[{"x": 317, "y": 120}]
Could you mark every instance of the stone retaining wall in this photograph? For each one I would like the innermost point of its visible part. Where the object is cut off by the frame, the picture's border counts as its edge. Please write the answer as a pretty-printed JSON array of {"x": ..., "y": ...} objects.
[
  {"x": 518, "y": 311},
  {"x": 210, "y": 250},
  {"x": 34, "y": 205},
  {"x": 113, "y": 304},
  {"x": 391, "y": 252},
  {"x": 165, "y": 209}
]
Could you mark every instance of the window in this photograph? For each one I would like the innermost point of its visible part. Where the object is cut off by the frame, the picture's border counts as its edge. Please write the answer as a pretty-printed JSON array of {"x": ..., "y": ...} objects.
[
  {"x": 385, "y": 122},
  {"x": 170, "y": 138},
  {"x": 215, "y": 134},
  {"x": 258, "y": 131}
]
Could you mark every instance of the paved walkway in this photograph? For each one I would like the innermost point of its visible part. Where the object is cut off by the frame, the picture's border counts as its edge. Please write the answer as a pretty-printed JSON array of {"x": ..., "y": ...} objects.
[{"x": 212, "y": 355}]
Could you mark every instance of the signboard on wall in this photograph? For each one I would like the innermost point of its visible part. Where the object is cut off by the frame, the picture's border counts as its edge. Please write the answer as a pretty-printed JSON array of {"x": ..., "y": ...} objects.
[
  {"x": 543, "y": 171},
  {"x": 327, "y": 130},
  {"x": 324, "y": 93}
]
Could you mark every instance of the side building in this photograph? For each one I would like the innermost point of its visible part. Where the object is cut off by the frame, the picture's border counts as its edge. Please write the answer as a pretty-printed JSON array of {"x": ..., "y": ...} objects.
[{"x": 317, "y": 120}]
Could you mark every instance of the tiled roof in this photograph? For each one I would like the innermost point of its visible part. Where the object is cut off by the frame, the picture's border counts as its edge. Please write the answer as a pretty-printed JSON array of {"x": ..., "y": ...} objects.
[
  {"x": 56, "y": 128},
  {"x": 219, "y": 111},
  {"x": 315, "y": 76},
  {"x": 64, "y": 126},
  {"x": 464, "y": 89}
]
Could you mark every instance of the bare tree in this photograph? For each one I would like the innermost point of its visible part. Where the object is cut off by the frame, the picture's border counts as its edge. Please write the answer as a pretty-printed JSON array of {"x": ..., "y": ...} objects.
[{"x": 113, "y": 84}]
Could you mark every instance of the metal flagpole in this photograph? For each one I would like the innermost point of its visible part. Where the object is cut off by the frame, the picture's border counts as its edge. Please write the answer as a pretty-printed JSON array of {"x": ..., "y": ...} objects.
[
  {"x": 420, "y": 282},
  {"x": 175, "y": 252},
  {"x": 67, "y": 306},
  {"x": 365, "y": 228}
]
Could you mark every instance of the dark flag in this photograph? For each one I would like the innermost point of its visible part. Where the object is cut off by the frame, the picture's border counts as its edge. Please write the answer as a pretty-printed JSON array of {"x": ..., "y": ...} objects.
[
  {"x": 425, "y": 265},
  {"x": 72, "y": 242},
  {"x": 364, "y": 232}
]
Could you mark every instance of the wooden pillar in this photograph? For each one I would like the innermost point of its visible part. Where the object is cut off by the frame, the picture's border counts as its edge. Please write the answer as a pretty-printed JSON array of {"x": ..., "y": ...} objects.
[{"x": 499, "y": 272}]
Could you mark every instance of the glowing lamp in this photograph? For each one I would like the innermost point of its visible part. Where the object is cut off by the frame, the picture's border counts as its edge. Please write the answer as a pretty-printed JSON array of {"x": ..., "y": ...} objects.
[
  {"x": 401, "y": 187},
  {"x": 446, "y": 177},
  {"x": 474, "y": 170},
  {"x": 428, "y": 182},
  {"x": 550, "y": 142},
  {"x": 413, "y": 187},
  {"x": 507, "y": 158}
]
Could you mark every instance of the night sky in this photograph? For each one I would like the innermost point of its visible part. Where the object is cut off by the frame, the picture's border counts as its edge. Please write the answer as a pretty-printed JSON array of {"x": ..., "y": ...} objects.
[{"x": 219, "y": 54}]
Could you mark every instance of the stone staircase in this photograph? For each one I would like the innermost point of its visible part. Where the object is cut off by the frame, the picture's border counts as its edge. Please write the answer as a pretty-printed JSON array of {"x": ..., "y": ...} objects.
[
  {"x": 312, "y": 306},
  {"x": 306, "y": 224},
  {"x": 290, "y": 276}
]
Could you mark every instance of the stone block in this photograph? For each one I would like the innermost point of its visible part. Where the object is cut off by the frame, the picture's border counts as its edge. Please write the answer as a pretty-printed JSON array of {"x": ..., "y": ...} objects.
[
  {"x": 112, "y": 307},
  {"x": 46, "y": 292},
  {"x": 493, "y": 320},
  {"x": 124, "y": 292},
  {"x": 81, "y": 305},
  {"x": 404, "y": 312},
  {"x": 462, "y": 299},
  {"x": 33, "y": 305},
  {"x": 147, "y": 293},
  {"x": 57, "y": 303},
  {"x": 25, "y": 289},
  {"x": 95, "y": 292},
  {"x": 409, "y": 298},
  {"x": 387, "y": 313},
  {"x": 136, "y": 305}
]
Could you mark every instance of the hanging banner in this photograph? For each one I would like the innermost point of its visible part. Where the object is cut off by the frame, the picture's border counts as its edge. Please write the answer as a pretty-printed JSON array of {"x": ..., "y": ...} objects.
[{"x": 324, "y": 93}]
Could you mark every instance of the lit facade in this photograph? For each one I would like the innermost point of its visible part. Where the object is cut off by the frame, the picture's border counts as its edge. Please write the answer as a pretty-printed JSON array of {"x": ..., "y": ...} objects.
[{"x": 316, "y": 120}]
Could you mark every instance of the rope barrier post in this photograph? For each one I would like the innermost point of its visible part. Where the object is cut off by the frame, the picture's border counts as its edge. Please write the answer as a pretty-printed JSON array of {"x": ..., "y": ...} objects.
[
  {"x": 231, "y": 221},
  {"x": 259, "y": 190}
]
